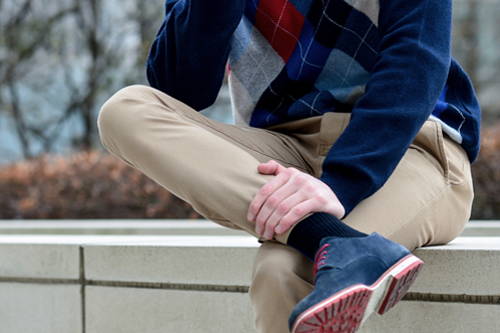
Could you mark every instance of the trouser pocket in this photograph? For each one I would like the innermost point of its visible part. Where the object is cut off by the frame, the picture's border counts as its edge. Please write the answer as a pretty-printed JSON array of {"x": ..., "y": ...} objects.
[
  {"x": 442, "y": 151},
  {"x": 446, "y": 154}
]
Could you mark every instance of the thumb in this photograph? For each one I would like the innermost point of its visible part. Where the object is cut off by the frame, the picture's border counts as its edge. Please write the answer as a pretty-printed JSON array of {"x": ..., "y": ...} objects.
[{"x": 270, "y": 167}]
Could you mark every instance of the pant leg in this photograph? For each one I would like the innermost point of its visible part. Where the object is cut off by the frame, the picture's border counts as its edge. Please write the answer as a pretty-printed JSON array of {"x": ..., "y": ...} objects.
[
  {"x": 209, "y": 164},
  {"x": 281, "y": 278},
  {"x": 426, "y": 201}
]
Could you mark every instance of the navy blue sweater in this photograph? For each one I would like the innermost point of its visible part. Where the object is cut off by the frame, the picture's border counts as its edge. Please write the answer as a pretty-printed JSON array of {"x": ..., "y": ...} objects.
[{"x": 387, "y": 62}]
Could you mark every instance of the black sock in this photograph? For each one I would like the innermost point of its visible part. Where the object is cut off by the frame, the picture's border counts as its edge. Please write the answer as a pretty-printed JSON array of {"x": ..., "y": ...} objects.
[{"x": 307, "y": 234}]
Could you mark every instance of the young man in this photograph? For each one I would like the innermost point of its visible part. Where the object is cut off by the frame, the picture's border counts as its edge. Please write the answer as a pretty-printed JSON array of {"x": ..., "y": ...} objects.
[{"x": 354, "y": 134}]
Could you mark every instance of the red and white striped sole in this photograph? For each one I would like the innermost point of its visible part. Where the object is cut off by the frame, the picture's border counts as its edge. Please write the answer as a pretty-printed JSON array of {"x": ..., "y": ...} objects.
[{"x": 348, "y": 309}]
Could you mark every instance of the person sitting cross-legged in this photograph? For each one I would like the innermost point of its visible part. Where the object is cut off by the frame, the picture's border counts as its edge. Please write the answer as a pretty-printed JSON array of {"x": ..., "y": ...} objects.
[{"x": 353, "y": 138}]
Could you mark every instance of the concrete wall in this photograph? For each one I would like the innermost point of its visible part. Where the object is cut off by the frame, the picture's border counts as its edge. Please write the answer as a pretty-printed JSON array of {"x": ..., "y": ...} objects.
[{"x": 174, "y": 283}]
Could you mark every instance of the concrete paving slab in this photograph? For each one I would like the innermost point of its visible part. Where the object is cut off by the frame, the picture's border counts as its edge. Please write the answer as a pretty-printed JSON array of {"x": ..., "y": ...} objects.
[
  {"x": 145, "y": 310},
  {"x": 35, "y": 308},
  {"x": 31, "y": 260},
  {"x": 468, "y": 265},
  {"x": 132, "y": 310},
  {"x": 434, "y": 317},
  {"x": 217, "y": 263}
]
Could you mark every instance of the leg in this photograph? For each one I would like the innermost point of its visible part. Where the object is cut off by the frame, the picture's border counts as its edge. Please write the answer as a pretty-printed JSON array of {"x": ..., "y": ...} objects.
[
  {"x": 281, "y": 278},
  {"x": 426, "y": 201},
  {"x": 428, "y": 198},
  {"x": 211, "y": 165}
]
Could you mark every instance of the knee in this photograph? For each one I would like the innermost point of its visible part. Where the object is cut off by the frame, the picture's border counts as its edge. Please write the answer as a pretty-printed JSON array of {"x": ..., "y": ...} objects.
[{"x": 115, "y": 112}]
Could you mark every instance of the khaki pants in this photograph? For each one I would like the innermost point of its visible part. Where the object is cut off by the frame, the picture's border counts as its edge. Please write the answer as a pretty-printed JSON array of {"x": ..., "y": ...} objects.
[{"x": 213, "y": 166}]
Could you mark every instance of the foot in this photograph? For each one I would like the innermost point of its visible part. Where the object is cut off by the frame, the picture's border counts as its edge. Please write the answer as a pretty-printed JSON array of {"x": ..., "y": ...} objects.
[{"x": 354, "y": 277}]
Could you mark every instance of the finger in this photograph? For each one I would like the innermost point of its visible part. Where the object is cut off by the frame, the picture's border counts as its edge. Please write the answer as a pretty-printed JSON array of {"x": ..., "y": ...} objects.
[
  {"x": 265, "y": 211},
  {"x": 273, "y": 202},
  {"x": 267, "y": 167},
  {"x": 264, "y": 192},
  {"x": 281, "y": 210},
  {"x": 270, "y": 167},
  {"x": 296, "y": 214},
  {"x": 296, "y": 181},
  {"x": 294, "y": 184}
]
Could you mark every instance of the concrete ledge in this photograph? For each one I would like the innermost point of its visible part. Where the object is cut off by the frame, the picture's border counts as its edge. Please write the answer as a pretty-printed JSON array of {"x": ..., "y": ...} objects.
[
  {"x": 482, "y": 229},
  {"x": 216, "y": 260},
  {"x": 167, "y": 227},
  {"x": 116, "y": 227},
  {"x": 168, "y": 283}
]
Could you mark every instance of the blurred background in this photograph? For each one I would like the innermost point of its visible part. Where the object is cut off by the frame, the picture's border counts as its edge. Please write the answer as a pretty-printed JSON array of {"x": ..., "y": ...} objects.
[{"x": 61, "y": 59}]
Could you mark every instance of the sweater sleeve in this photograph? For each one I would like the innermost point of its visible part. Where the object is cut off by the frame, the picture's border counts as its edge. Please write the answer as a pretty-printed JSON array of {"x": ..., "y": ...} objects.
[
  {"x": 408, "y": 76},
  {"x": 188, "y": 57}
]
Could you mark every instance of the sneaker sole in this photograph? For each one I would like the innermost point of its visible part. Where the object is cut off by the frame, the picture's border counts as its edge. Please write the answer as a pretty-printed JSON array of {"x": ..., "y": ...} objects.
[{"x": 346, "y": 310}]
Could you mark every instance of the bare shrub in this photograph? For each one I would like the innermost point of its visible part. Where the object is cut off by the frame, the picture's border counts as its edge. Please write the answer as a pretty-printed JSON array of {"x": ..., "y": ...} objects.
[
  {"x": 84, "y": 185},
  {"x": 486, "y": 175}
]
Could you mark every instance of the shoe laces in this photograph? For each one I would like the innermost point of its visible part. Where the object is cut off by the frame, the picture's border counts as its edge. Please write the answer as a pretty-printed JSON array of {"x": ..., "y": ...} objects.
[{"x": 320, "y": 257}]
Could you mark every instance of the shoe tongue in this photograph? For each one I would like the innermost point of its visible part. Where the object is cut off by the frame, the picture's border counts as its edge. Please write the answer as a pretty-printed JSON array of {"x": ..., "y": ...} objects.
[
  {"x": 329, "y": 240},
  {"x": 339, "y": 239}
]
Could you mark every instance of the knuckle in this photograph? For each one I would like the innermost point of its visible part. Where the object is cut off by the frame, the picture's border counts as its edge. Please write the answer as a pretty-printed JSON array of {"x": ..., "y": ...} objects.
[
  {"x": 282, "y": 208},
  {"x": 321, "y": 199},
  {"x": 298, "y": 211},
  {"x": 310, "y": 188},
  {"x": 270, "y": 226},
  {"x": 273, "y": 201},
  {"x": 266, "y": 190},
  {"x": 286, "y": 222},
  {"x": 299, "y": 179},
  {"x": 253, "y": 208}
]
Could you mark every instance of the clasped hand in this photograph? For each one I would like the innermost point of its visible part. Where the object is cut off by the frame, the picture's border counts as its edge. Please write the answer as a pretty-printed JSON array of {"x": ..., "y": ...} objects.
[{"x": 287, "y": 198}]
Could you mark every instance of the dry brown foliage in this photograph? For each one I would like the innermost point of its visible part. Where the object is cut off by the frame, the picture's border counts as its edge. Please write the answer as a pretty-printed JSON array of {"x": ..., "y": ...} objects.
[
  {"x": 84, "y": 185},
  {"x": 486, "y": 175}
]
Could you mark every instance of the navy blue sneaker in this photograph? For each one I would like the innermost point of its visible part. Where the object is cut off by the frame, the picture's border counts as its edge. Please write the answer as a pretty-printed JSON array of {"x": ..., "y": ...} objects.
[{"x": 354, "y": 277}]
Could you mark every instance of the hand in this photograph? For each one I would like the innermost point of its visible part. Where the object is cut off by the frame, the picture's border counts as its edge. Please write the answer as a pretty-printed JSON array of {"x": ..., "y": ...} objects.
[{"x": 287, "y": 198}]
